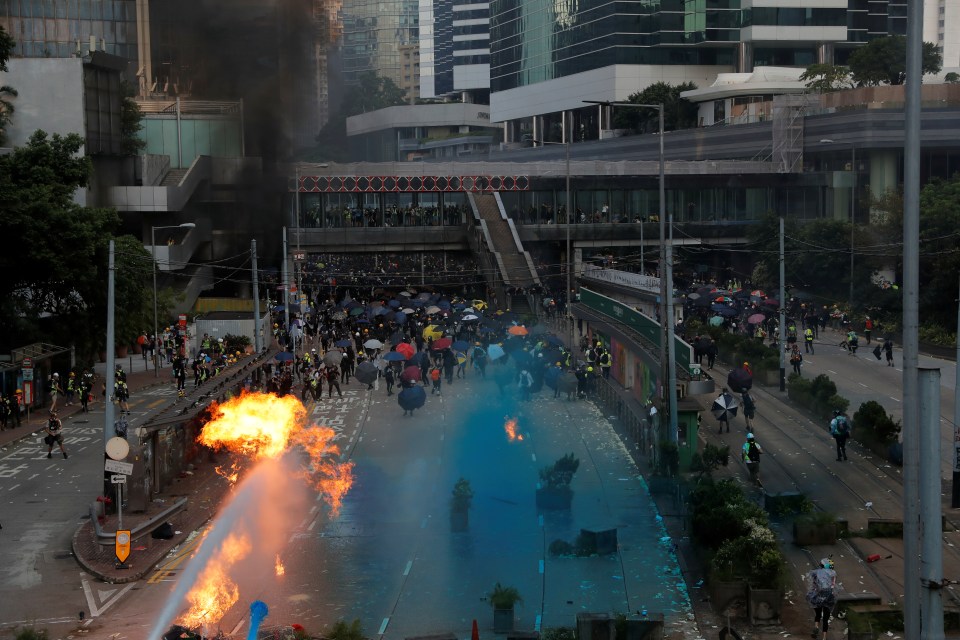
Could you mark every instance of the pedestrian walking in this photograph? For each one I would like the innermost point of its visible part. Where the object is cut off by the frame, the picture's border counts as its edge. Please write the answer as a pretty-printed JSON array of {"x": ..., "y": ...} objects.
[
  {"x": 333, "y": 380},
  {"x": 796, "y": 359},
  {"x": 751, "y": 457},
  {"x": 888, "y": 349},
  {"x": 867, "y": 329},
  {"x": 436, "y": 380},
  {"x": 71, "y": 387},
  {"x": 55, "y": 391},
  {"x": 808, "y": 340},
  {"x": 821, "y": 595},
  {"x": 54, "y": 435},
  {"x": 525, "y": 381},
  {"x": 121, "y": 393},
  {"x": 389, "y": 378},
  {"x": 605, "y": 362},
  {"x": 840, "y": 430},
  {"x": 749, "y": 409},
  {"x": 712, "y": 351},
  {"x": 724, "y": 400}
]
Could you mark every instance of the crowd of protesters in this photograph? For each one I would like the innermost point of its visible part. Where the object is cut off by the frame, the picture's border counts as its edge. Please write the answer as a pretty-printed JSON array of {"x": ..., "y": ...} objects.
[{"x": 391, "y": 216}]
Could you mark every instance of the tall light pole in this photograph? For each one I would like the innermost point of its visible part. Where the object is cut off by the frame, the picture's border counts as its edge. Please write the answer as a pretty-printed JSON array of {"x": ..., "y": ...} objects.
[
  {"x": 153, "y": 250},
  {"x": 667, "y": 352}
]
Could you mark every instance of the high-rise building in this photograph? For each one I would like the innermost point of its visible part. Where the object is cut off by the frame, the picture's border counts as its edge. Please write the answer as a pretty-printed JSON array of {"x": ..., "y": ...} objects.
[
  {"x": 456, "y": 38},
  {"x": 375, "y": 32},
  {"x": 548, "y": 56},
  {"x": 70, "y": 28}
]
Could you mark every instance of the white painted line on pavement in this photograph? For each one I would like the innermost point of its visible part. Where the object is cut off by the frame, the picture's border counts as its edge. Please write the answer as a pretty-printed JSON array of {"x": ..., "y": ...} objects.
[
  {"x": 540, "y": 520},
  {"x": 536, "y": 625},
  {"x": 894, "y": 399},
  {"x": 383, "y": 626},
  {"x": 862, "y": 385},
  {"x": 533, "y": 456},
  {"x": 406, "y": 570},
  {"x": 13, "y": 487},
  {"x": 541, "y": 566},
  {"x": 312, "y": 525},
  {"x": 832, "y": 371},
  {"x": 237, "y": 628}
]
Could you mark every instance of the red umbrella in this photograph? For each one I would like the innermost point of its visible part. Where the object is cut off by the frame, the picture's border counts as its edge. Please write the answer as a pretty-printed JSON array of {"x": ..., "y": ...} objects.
[
  {"x": 410, "y": 374},
  {"x": 406, "y": 349},
  {"x": 442, "y": 343}
]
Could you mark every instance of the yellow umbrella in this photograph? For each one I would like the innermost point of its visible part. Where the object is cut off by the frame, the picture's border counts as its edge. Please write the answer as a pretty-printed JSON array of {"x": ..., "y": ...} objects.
[
  {"x": 433, "y": 331},
  {"x": 479, "y": 305}
]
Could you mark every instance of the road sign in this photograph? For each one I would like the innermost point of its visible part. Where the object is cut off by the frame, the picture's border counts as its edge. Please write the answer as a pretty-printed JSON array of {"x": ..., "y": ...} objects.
[
  {"x": 27, "y": 374},
  {"x": 118, "y": 479},
  {"x": 115, "y": 466},
  {"x": 123, "y": 545},
  {"x": 27, "y": 366},
  {"x": 299, "y": 256}
]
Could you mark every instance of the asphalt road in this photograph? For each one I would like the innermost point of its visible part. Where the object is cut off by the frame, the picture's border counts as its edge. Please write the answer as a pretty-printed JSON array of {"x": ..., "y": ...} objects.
[{"x": 390, "y": 559}]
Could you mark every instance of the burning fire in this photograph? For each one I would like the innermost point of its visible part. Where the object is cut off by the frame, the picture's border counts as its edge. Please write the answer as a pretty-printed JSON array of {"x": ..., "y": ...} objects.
[
  {"x": 258, "y": 426},
  {"x": 261, "y": 428},
  {"x": 510, "y": 426},
  {"x": 214, "y": 593}
]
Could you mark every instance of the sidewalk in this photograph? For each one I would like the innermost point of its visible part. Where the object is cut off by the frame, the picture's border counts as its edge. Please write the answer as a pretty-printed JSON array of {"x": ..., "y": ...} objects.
[{"x": 139, "y": 378}]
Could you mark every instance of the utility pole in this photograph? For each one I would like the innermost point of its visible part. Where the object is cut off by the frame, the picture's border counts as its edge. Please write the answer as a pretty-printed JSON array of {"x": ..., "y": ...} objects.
[
  {"x": 111, "y": 350},
  {"x": 781, "y": 334},
  {"x": 286, "y": 288},
  {"x": 911, "y": 291},
  {"x": 931, "y": 559},
  {"x": 256, "y": 297},
  {"x": 955, "y": 495}
]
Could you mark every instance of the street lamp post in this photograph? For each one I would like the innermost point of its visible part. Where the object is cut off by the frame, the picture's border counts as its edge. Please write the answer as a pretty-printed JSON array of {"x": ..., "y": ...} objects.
[
  {"x": 667, "y": 351},
  {"x": 153, "y": 250}
]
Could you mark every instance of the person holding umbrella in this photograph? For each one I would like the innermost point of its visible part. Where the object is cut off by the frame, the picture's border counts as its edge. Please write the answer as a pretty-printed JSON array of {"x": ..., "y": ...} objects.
[{"x": 724, "y": 408}]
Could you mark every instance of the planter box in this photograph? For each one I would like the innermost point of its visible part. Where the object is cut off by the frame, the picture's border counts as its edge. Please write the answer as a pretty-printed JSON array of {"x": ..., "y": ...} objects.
[
  {"x": 806, "y": 534},
  {"x": 554, "y": 499},
  {"x": 723, "y": 594},
  {"x": 502, "y": 620},
  {"x": 459, "y": 520},
  {"x": 764, "y": 605}
]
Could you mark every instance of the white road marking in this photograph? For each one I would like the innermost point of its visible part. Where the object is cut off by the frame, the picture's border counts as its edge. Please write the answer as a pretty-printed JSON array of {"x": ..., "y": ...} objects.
[
  {"x": 533, "y": 457},
  {"x": 895, "y": 399},
  {"x": 831, "y": 371},
  {"x": 541, "y": 567},
  {"x": 237, "y": 628},
  {"x": 383, "y": 626},
  {"x": 862, "y": 385},
  {"x": 91, "y": 601},
  {"x": 409, "y": 566}
]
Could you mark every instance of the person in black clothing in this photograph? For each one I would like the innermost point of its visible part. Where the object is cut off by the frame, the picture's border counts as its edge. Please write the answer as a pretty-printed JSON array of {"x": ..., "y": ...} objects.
[
  {"x": 888, "y": 349},
  {"x": 333, "y": 380},
  {"x": 388, "y": 377}
]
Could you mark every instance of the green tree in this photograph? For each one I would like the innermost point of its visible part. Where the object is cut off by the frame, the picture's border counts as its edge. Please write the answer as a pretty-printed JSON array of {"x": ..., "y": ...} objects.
[
  {"x": 130, "y": 122},
  {"x": 6, "y": 109},
  {"x": 824, "y": 78},
  {"x": 884, "y": 61},
  {"x": 53, "y": 252},
  {"x": 370, "y": 93},
  {"x": 7, "y": 45},
  {"x": 678, "y": 113},
  {"x": 952, "y": 78}
]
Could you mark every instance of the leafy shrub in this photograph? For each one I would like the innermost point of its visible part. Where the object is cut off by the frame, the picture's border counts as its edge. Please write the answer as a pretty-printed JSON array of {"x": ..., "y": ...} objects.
[
  {"x": 720, "y": 511},
  {"x": 936, "y": 335},
  {"x": 29, "y": 633},
  {"x": 233, "y": 343},
  {"x": 343, "y": 631},
  {"x": 561, "y": 472},
  {"x": 872, "y": 424},
  {"x": 504, "y": 597},
  {"x": 711, "y": 459},
  {"x": 818, "y": 395},
  {"x": 754, "y": 557},
  {"x": 558, "y": 633},
  {"x": 561, "y": 548}
]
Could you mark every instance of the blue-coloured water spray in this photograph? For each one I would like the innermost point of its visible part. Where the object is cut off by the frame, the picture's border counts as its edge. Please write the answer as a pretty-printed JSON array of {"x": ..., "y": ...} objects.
[{"x": 258, "y": 611}]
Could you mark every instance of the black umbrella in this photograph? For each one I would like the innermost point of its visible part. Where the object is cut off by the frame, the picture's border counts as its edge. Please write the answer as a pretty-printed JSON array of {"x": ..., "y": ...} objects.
[
  {"x": 739, "y": 380},
  {"x": 332, "y": 358},
  {"x": 411, "y": 398},
  {"x": 366, "y": 372},
  {"x": 724, "y": 407}
]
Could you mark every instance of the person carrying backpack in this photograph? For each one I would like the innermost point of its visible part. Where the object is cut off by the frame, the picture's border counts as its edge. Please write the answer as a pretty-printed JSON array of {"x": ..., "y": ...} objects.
[
  {"x": 436, "y": 380},
  {"x": 821, "y": 595},
  {"x": 840, "y": 430},
  {"x": 751, "y": 457}
]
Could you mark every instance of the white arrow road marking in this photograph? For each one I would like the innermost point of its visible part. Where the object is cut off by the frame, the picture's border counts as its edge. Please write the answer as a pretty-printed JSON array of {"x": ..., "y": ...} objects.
[{"x": 92, "y": 601}]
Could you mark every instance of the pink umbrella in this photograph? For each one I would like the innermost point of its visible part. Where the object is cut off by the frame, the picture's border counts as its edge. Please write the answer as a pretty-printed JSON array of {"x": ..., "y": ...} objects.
[{"x": 756, "y": 318}]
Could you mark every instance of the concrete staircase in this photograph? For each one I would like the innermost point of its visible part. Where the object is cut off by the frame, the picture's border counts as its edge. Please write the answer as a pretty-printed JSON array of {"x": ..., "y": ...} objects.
[
  {"x": 173, "y": 177},
  {"x": 515, "y": 264}
]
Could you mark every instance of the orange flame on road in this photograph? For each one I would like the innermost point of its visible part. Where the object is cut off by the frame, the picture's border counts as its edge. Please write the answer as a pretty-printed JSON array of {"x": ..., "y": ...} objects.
[
  {"x": 278, "y": 567},
  {"x": 261, "y": 425},
  {"x": 214, "y": 593},
  {"x": 510, "y": 426}
]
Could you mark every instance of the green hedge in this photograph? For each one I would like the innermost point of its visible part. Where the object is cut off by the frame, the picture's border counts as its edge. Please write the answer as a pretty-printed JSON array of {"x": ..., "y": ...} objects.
[
  {"x": 872, "y": 425},
  {"x": 818, "y": 395},
  {"x": 737, "y": 530}
]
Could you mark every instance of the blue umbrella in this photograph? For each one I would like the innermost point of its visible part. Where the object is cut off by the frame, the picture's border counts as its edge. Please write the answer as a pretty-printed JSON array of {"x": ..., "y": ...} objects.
[
  {"x": 495, "y": 351},
  {"x": 394, "y": 303},
  {"x": 487, "y": 329},
  {"x": 343, "y": 343},
  {"x": 283, "y": 356},
  {"x": 393, "y": 356},
  {"x": 724, "y": 310},
  {"x": 716, "y": 321},
  {"x": 460, "y": 345},
  {"x": 412, "y": 398},
  {"x": 444, "y": 304},
  {"x": 400, "y": 317},
  {"x": 379, "y": 311}
]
